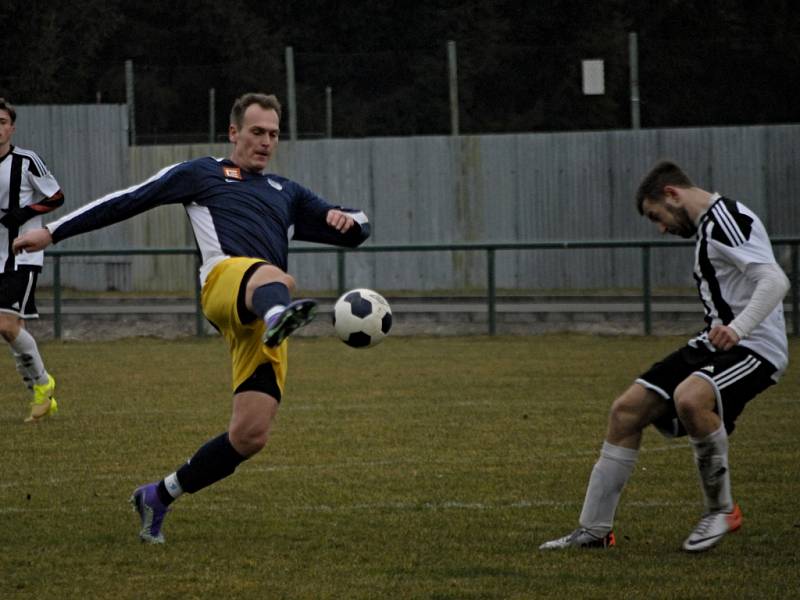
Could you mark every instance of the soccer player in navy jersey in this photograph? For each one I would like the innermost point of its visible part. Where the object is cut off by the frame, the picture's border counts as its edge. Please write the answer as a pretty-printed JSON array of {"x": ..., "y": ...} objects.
[
  {"x": 701, "y": 388},
  {"x": 28, "y": 190},
  {"x": 242, "y": 220}
]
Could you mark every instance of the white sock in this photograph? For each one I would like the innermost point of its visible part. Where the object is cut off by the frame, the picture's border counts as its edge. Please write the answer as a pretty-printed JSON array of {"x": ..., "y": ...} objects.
[
  {"x": 609, "y": 475},
  {"x": 273, "y": 311},
  {"x": 21, "y": 369},
  {"x": 711, "y": 458},
  {"x": 173, "y": 486},
  {"x": 30, "y": 362}
]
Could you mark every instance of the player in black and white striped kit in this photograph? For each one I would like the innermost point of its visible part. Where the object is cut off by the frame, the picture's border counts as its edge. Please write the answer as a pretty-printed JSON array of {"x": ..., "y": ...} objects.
[
  {"x": 700, "y": 389},
  {"x": 27, "y": 191}
]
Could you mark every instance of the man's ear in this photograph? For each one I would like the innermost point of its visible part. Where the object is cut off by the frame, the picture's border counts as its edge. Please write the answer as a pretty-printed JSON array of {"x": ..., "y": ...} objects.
[
  {"x": 672, "y": 195},
  {"x": 232, "y": 132}
]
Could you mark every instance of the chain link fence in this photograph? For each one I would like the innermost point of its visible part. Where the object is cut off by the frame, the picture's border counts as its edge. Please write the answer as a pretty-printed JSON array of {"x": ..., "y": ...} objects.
[{"x": 501, "y": 88}]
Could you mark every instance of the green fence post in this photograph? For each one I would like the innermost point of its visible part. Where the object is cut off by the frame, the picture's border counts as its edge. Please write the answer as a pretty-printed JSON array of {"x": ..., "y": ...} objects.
[
  {"x": 795, "y": 291},
  {"x": 646, "y": 291},
  {"x": 57, "y": 296},
  {"x": 490, "y": 284},
  {"x": 340, "y": 271},
  {"x": 198, "y": 308}
]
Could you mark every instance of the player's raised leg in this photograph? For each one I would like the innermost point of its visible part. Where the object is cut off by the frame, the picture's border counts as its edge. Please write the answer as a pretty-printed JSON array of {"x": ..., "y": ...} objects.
[{"x": 268, "y": 295}]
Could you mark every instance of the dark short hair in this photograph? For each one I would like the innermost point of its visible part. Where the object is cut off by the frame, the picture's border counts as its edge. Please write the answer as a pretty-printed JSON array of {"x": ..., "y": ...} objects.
[
  {"x": 6, "y": 106},
  {"x": 266, "y": 101},
  {"x": 663, "y": 174}
]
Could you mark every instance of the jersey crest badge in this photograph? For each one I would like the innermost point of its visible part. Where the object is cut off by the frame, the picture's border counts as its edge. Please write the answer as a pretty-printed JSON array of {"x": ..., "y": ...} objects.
[{"x": 232, "y": 173}]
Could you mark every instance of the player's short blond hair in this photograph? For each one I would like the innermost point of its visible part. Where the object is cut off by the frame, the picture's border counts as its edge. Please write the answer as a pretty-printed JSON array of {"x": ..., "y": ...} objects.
[{"x": 266, "y": 101}]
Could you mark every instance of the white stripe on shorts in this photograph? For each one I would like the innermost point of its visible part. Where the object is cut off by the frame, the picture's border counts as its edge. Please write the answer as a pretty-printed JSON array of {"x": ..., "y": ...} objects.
[
  {"x": 736, "y": 372},
  {"x": 23, "y": 310}
]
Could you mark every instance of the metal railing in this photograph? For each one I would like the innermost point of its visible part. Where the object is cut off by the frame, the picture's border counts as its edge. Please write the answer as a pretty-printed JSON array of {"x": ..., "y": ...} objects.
[{"x": 490, "y": 249}]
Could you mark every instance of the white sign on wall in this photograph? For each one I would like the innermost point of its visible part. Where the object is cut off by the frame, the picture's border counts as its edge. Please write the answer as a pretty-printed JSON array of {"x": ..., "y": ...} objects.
[{"x": 594, "y": 83}]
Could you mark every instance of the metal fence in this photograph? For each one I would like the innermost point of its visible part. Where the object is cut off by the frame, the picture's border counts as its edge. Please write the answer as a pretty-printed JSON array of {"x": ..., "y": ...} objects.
[
  {"x": 490, "y": 257},
  {"x": 519, "y": 188},
  {"x": 532, "y": 187}
]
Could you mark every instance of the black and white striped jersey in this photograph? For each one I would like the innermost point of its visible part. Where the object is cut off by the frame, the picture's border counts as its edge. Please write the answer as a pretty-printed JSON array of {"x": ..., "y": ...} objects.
[
  {"x": 27, "y": 191},
  {"x": 729, "y": 238},
  {"x": 233, "y": 212}
]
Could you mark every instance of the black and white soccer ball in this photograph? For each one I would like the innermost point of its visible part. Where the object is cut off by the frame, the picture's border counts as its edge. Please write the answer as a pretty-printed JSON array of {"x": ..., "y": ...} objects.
[{"x": 362, "y": 318}]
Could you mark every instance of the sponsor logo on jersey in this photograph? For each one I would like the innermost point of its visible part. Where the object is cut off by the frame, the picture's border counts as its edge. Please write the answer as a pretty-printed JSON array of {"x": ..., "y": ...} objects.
[
  {"x": 232, "y": 173},
  {"x": 274, "y": 184}
]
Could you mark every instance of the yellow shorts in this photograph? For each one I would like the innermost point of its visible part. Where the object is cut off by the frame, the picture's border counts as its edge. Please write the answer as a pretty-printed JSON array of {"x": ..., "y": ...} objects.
[{"x": 222, "y": 297}]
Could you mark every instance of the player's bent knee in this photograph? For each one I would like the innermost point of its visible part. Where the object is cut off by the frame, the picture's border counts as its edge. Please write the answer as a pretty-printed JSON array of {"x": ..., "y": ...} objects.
[
  {"x": 9, "y": 334},
  {"x": 629, "y": 413},
  {"x": 693, "y": 397},
  {"x": 248, "y": 440},
  {"x": 290, "y": 283},
  {"x": 687, "y": 406},
  {"x": 621, "y": 419},
  {"x": 268, "y": 273}
]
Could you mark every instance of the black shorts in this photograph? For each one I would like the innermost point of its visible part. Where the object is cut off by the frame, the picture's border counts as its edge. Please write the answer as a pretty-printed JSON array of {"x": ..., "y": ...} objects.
[
  {"x": 18, "y": 292},
  {"x": 737, "y": 377}
]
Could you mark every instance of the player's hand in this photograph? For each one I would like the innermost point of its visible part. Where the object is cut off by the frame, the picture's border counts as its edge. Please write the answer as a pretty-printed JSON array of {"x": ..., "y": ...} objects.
[
  {"x": 723, "y": 337},
  {"x": 33, "y": 240},
  {"x": 340, "y": 221}
]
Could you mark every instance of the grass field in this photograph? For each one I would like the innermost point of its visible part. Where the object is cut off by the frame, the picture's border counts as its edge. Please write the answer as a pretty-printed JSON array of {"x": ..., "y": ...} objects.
[{"x": 423, "y": 468}]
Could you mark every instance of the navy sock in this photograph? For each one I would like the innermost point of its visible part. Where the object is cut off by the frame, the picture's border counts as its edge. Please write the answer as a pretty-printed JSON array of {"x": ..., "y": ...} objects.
[
  {"x": 163, "y": 494},
  {"x": 215, "y": 460},
  {"x": 267, "y": 296}
]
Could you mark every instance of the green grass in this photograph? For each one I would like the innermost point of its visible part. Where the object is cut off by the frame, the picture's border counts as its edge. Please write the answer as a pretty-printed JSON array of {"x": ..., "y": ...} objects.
[{"x": 422, "y": 468}]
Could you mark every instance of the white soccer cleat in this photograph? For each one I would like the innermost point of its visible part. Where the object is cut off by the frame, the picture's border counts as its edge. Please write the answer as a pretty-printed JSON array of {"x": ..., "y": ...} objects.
[
  {"x": 581, "y": 538},
  {"x": 711, "y": 528}
]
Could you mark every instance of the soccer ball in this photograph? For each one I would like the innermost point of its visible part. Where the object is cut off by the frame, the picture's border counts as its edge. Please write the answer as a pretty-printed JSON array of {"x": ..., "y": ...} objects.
[{"x": 362, "y": 318}]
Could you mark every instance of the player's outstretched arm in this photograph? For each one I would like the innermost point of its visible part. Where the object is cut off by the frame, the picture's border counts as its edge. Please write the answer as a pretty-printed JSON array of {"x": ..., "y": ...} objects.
[{"x": 33, "y": 240}]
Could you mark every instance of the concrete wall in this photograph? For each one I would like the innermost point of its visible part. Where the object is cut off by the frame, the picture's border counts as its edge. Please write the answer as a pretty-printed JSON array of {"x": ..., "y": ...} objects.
[
  {"x": 86, "y": 148},
  {"x": 528, "y": 187}
]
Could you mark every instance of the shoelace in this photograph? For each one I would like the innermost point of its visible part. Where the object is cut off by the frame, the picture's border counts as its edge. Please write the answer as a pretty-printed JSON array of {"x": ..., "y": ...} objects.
[
  {"x": 705, "y": 524},
  {"x": 578, "y": 532}
]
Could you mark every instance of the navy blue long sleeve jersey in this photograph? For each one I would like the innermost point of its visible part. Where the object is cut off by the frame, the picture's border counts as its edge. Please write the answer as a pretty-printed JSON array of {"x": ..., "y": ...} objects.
[{"x": 233, "y": 212}]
